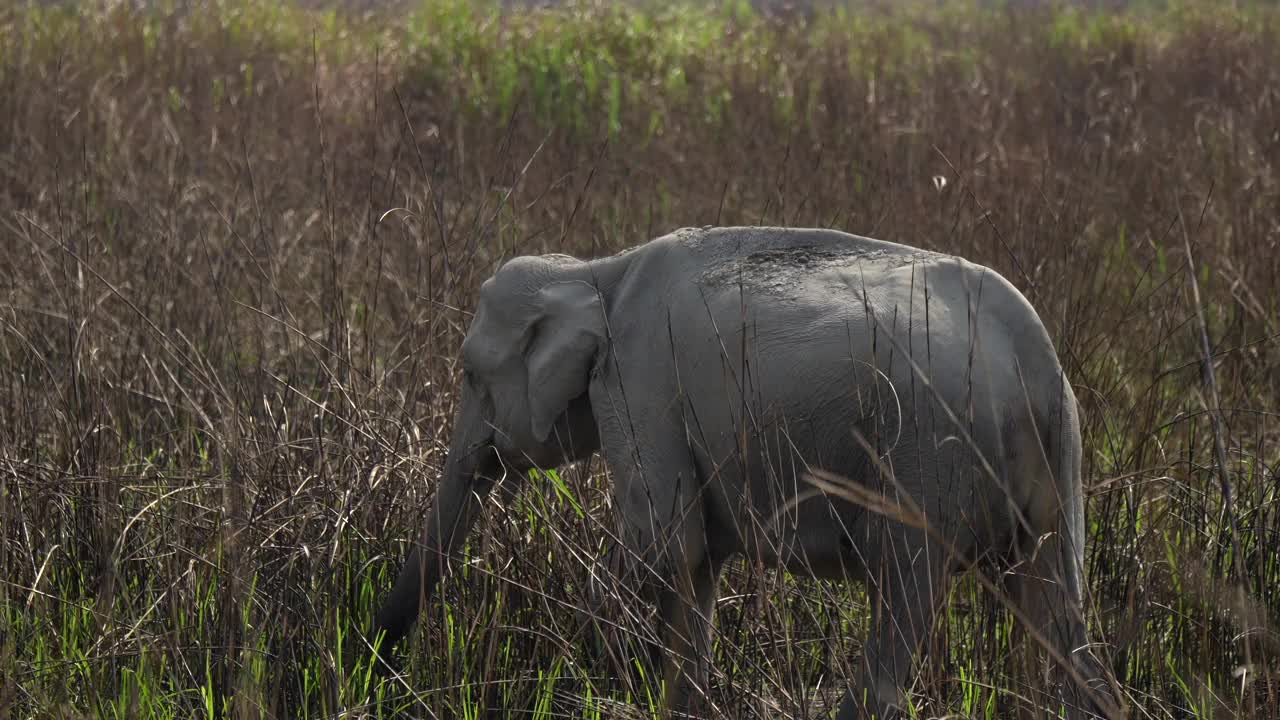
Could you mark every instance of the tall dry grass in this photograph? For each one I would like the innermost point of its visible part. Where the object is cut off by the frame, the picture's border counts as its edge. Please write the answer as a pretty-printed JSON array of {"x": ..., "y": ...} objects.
[{"x": 238, "y": 246}]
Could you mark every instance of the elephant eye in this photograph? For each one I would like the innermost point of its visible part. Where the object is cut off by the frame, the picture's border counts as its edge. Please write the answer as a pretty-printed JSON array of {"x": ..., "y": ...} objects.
[{"x": 472, "y": 380}]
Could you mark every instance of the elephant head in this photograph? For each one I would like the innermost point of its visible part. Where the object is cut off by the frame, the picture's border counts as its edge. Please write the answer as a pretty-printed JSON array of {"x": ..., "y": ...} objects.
[{"x": 536, "y": 336}]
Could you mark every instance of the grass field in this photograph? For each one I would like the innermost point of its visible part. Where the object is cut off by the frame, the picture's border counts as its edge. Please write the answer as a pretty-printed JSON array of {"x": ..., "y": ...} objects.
[{"x": 238, "y": 245}]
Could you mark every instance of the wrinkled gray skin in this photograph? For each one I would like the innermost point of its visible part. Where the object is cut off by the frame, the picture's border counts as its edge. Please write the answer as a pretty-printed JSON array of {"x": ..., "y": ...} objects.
[{"x": 714, "y": 367}]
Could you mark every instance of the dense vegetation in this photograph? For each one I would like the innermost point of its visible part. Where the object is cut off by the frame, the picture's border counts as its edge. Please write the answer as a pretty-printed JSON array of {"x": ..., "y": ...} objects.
[{"x": 238, "y": 245}]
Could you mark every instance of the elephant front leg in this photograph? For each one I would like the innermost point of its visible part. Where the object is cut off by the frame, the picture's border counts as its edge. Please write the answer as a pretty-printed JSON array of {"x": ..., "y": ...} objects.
[
  {"x": 685, "y": 612},
  {"x": 906, "y": 595},
  {"x": 665, "y": 528},
  {"x": 659, "y": 499}
]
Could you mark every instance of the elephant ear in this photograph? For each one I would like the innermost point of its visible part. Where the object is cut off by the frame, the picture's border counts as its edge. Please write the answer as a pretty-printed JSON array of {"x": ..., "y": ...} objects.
[{"x": 568, "y": 337}]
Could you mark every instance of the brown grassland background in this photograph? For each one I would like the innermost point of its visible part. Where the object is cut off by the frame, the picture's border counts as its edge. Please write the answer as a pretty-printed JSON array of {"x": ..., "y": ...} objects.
[{"x": 238, "y": 245}]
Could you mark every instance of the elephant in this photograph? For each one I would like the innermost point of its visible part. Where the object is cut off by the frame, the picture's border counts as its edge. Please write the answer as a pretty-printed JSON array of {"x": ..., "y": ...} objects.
[{"x": 821, "y": 402}]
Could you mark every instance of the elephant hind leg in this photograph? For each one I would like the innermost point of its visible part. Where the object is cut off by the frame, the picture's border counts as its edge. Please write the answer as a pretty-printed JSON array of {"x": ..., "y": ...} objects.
[
  {"x": 1045, "y": 588},
  {"x": 906, "y": 595}
]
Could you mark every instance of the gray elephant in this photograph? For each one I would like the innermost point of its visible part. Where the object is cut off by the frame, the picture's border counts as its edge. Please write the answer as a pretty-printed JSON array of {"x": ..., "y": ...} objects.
[{"x": 830, "y": 404}]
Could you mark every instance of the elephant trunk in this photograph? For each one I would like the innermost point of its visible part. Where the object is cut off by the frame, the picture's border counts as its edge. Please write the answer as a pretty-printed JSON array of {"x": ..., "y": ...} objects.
[{"x": 471, "y": 469}]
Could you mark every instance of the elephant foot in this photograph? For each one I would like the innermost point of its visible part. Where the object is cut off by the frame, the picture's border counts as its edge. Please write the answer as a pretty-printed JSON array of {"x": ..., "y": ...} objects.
[
  {"x": 868, "y": 705},
  {"x": 851, "y": 710}
]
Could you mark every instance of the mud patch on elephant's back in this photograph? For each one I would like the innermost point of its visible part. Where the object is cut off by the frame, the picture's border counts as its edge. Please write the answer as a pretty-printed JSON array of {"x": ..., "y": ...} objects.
[{"x": 778, "y": 270}]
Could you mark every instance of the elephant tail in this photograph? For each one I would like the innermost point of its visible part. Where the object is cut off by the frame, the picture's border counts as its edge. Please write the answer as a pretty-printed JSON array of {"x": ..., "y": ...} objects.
[
  {"x": 1070, "y": 484},
  {"x": 1049, "y": 585}
]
